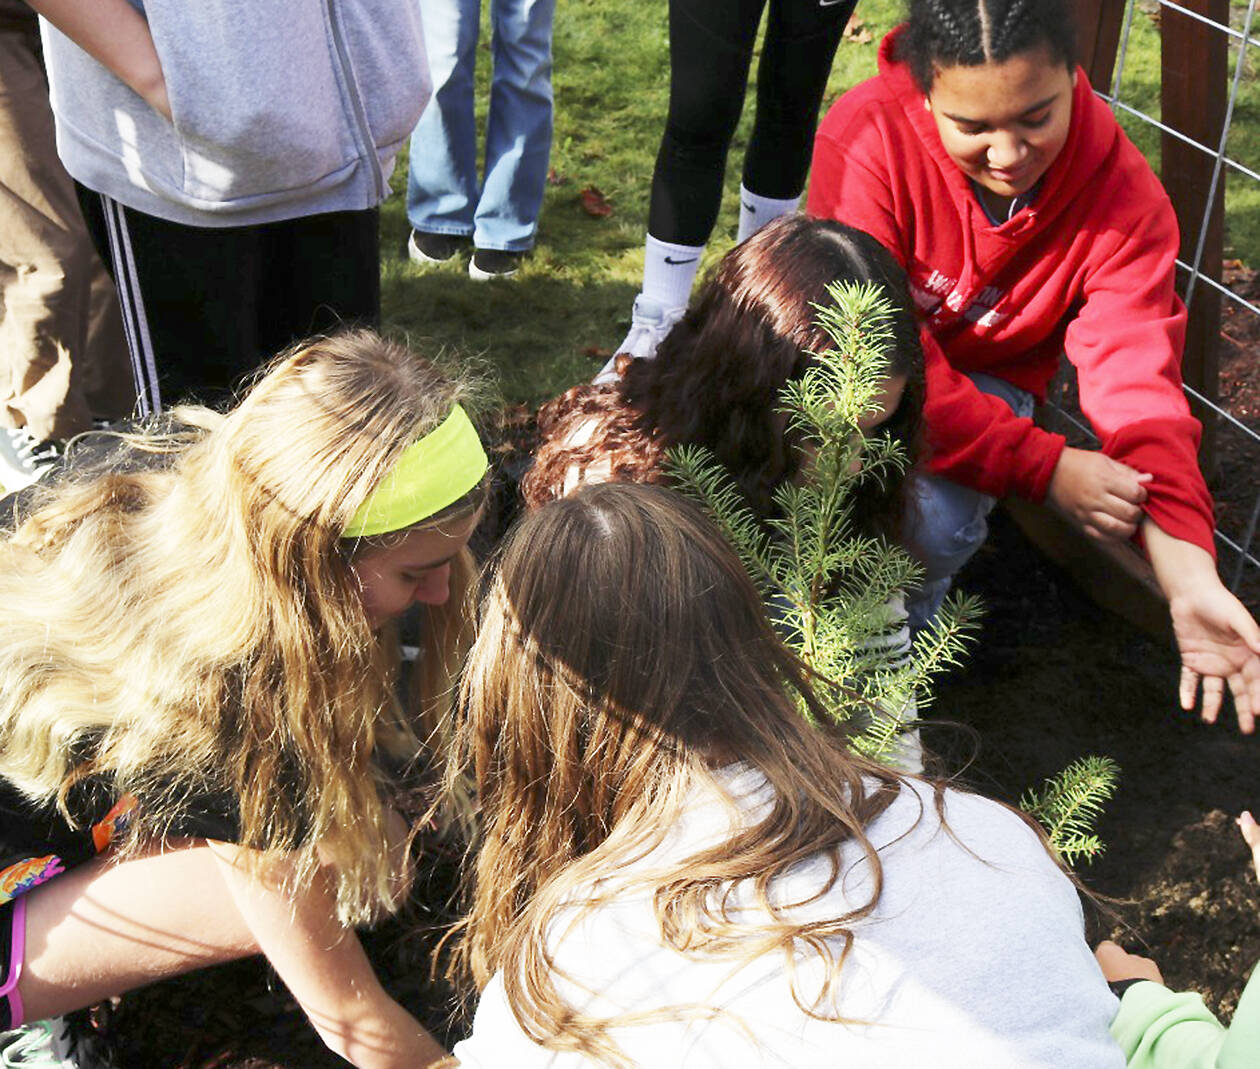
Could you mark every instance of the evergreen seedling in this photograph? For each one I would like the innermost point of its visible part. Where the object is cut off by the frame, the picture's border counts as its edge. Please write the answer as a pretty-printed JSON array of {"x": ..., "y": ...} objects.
[
  {"x": 835, "y": 590},
  {"x": 833, "y": 587},
  {"x": 1069, "y": 804}
]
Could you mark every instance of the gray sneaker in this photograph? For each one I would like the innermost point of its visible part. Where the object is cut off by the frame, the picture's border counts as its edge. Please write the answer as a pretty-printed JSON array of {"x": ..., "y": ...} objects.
[{"x": 24, "y": 458}]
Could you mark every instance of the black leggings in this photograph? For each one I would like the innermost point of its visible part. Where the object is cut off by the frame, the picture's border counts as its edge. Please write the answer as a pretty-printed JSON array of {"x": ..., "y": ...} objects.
[{"x": 710, "y": 50}]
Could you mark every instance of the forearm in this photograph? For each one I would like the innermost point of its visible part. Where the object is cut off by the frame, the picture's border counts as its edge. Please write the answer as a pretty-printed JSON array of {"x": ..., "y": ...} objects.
[
  {"x": 324, "y": 967},
  {"x": 1161, "y": 1029},
  {"x": 974, "y": 438},
  {"x": 373, "y": 1031},
  {"x": 1178, "y": 498},
  {"x": 117, "y": 36},
  {"x": 1180, "y": 567}
]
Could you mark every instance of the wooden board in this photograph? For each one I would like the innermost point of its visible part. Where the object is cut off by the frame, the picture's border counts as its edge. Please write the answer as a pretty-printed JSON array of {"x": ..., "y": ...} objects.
[{"x": 1116, "y": 577}]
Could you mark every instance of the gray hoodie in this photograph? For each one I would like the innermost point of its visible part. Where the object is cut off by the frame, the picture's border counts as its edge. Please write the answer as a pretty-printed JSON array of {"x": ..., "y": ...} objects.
[{"x": 282, "y": 108}]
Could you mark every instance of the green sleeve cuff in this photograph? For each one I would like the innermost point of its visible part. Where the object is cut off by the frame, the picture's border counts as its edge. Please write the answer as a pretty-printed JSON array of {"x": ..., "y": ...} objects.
[{"x": 1162, "y": 1029}]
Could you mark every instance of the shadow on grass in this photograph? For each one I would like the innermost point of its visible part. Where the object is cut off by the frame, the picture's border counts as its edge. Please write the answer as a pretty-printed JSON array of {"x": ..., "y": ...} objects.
[{"x": 539, "y": 333}]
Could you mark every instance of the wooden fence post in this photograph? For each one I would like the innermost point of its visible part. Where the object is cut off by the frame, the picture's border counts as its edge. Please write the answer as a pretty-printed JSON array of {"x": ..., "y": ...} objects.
[
  {"x": 1193, "y": 97},
  {"x": 1099, "y": 23}
]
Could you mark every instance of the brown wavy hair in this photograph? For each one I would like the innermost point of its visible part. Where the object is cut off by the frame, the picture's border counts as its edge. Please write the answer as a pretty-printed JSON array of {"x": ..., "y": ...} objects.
[
  {"x": 623, "y": 656},
  {"x": 716, "y": 377}
]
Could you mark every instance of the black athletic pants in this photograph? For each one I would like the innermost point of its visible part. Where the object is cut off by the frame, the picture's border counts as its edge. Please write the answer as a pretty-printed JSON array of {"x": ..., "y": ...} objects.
[
  {"x": 710, "y": 48},
  {"x": 204, "y": 306}
]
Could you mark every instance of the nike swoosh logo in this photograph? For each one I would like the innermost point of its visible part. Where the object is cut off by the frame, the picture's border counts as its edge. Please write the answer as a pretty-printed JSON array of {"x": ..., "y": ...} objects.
[
  {"x": 828, "y": 3},
  {"x": 743, "y": 203},
  {"x": 671, "y": 260}
]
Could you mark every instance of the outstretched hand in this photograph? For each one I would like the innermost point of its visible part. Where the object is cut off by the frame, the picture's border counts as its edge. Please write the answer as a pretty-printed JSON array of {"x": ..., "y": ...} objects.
[
  {"x": 1219, "y": 644},
  {"x": 1118, "y": 964},
  {"x": 1218, "y": 639},
  {"x": 1102, "y": 495}
]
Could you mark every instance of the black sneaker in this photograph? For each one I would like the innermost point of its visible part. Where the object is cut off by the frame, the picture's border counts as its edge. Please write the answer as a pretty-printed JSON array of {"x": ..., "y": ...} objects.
[
  {"x": 425, "y": 248},
  {"x": 493, "y": 263}
]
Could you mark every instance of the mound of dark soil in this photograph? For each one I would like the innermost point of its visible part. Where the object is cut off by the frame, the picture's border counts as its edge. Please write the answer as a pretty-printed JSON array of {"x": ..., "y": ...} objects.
[{"x": 1053, "y": 678}]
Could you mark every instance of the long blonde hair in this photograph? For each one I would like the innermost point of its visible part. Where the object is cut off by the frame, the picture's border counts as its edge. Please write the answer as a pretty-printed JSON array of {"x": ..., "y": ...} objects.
[
  {"x": 623, "y": 654},
  {"x": 194, "y": 629}
]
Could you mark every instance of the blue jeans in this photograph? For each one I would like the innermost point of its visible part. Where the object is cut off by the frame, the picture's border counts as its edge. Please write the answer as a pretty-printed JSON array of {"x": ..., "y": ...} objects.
[
  {"x": 443, "y": 194},
  {"x": 946, "y": 523}
]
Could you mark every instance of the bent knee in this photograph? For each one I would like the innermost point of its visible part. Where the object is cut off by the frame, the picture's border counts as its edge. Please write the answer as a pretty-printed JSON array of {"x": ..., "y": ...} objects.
[{"x": 946, "y": 524}]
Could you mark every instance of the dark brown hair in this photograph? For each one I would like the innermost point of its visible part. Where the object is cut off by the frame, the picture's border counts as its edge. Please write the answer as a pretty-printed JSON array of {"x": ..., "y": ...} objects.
[
  {"x": 623, "y": 655},
  {"x": 716, "y": 377}
]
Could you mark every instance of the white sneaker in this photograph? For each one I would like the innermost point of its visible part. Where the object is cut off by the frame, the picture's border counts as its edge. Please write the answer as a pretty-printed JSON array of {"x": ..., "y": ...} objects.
[
  {"x": 24, "y": 458},
  {"x": 649, "y": 323}
]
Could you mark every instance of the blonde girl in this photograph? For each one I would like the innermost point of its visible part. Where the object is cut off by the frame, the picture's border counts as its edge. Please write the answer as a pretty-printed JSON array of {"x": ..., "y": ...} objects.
[
  {"x": 678, "y": 869},
  {"x": 192, "y": 679}
]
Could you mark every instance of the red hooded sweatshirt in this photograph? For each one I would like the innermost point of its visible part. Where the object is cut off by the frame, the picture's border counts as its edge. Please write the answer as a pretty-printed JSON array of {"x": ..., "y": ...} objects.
[{"x": 1086, "y": 269}]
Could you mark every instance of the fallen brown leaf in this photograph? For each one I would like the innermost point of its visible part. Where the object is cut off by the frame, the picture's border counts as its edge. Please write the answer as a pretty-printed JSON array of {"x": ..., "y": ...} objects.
[{"x": 594, "y": 202}]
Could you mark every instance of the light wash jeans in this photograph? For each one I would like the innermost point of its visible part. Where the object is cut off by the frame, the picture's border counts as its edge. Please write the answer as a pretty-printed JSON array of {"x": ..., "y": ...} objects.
[
  {"x": 443, "y": 195},
  {"x": 946, "y": 523}
]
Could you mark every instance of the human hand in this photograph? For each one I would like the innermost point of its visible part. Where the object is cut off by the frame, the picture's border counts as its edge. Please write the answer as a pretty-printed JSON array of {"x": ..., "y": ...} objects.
[
  {"x": 138, "y": 66},
  {"x": 1218, "y": 639},
  {"x": 1251, "y": 833},
  {"x": 1219, "y": 644},
  {"x": 1102, "y": 495},
  {"x": 1118, "y": 964}
]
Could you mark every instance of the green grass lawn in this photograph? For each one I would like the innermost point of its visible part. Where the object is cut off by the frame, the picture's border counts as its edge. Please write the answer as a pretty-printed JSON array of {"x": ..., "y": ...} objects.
[{"x": 553, "y": 324}]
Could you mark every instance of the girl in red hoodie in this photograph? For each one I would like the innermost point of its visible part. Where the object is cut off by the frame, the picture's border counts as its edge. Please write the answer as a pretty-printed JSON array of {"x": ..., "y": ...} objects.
[{"x": 1029, "y": 225}]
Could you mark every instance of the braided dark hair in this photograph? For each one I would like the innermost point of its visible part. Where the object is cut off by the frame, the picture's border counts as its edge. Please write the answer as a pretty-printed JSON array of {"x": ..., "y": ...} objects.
[{"x": 967, "y": 33}]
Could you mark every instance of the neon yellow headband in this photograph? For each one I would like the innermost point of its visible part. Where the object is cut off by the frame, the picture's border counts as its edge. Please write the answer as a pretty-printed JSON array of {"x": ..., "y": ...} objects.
[{"x": 431, "y": 474}]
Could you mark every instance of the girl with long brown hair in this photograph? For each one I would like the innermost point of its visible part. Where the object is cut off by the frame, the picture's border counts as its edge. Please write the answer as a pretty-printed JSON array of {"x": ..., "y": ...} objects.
[
  {"x": 716, "y": 378},
  {"x": 677, "y": 868},
  {"x": 717, "y": 382},
  {"x": 198, "y": 720}
]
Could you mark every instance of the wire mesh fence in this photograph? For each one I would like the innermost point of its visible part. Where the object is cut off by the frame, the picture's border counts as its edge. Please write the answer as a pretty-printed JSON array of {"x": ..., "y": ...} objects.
[{"x": 1198, "y": 114}]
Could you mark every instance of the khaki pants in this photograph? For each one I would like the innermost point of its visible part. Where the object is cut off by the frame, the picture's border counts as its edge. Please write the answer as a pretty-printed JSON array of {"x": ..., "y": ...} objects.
[{"x": 63, "y": 358}]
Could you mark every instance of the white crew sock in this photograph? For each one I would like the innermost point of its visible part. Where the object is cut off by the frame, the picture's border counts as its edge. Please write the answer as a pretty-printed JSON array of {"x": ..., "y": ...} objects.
[
  {"x": 755, "y": 211},
  {"x": 668, "y": 272}
]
